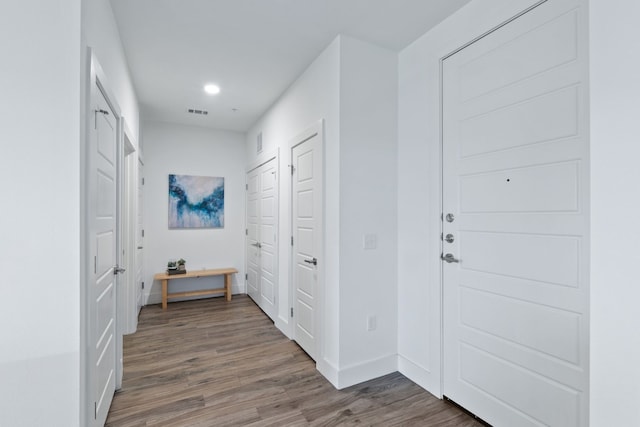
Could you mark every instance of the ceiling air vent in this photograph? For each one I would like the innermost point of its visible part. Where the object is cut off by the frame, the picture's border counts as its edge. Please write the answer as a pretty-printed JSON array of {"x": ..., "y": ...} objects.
[
  {"x": 197, "y": 112},
  {"x": 259, "y": 143}
]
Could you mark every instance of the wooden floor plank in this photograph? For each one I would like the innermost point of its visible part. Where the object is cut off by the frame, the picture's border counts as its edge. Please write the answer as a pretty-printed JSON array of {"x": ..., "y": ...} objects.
[{"x": 216, "y": 363}]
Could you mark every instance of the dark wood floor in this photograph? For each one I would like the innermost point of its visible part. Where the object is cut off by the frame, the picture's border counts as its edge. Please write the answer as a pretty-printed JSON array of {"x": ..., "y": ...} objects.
[{"x": 213, "y": 363}]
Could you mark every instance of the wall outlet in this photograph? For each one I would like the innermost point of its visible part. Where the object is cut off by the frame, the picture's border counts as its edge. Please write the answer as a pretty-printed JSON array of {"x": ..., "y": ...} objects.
[
  {"x": 370, "y": 241},
  {"x": 372, "y": 323}
]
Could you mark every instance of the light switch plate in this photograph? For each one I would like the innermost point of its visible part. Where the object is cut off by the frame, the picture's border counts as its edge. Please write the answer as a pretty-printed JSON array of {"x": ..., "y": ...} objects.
[{"x": 370, "y": 241}]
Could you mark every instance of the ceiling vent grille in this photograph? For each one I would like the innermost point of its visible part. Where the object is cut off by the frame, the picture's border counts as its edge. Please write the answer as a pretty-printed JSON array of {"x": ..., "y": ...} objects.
[
  {"x": 197, "y": 111},
  {"x": 259, "y": 143}
]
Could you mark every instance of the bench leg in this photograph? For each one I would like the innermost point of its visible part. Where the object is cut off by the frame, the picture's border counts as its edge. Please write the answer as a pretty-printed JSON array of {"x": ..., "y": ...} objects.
[
  {"x": 165, "y": 286},
  {"x": 227, "y": 286}
]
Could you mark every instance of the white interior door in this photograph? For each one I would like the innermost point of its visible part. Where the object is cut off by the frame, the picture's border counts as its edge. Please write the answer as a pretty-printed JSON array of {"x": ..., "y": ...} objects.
[
  {"x": 306, "y": 158},
  {"x": 102, "y": 214},
  {"x": 253, "y": 235},
  {"x": 515, "y": 169},
  {"x": 139, "y": 239},
  {"x": 262, "y": 248},
  {"x": 268, "y": 237}
]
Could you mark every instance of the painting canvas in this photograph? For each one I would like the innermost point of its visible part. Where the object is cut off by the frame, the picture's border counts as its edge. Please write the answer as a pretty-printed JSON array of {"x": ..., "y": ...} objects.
[{"x": 196, "y": 201}]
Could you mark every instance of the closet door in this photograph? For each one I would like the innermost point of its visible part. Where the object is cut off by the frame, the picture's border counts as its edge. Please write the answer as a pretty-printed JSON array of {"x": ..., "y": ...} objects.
[
  {"x": 252, "y": 231},
  {"x": 261, "y": 231}
]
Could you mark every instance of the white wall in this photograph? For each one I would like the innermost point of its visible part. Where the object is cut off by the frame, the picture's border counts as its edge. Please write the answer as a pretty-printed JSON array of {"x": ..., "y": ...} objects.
[
  {"x": 39, "y": 231},
  {"x": 100, "y": 33},
  {"x": 188, "y": 150},
  {"x": 312, "y": 97},
  {"x": 352, "y": 86},
  {"x": 368, "y": 172},
  {"x": 615, "y": 213}
]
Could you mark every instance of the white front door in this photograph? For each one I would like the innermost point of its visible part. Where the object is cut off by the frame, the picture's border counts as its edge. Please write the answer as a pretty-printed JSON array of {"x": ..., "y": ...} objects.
[
  {"x": 102, "y": 214},
  {"x": 515, "y": 221},
  {"x": 262, "y": 248},
  {"x": 306, "y": 159}
]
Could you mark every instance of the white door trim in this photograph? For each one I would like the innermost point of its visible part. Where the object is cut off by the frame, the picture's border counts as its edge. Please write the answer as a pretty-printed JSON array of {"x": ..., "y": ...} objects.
[{"x": 128, "y": 302}]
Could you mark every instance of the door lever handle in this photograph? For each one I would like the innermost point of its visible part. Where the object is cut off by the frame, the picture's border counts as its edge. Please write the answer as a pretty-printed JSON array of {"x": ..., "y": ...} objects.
[
  {"x": 449, "y": 258},
  {"x": 313, "y": 261},
  {"x": 257, "y": 245},
  {"x": 118, "y": 270}
]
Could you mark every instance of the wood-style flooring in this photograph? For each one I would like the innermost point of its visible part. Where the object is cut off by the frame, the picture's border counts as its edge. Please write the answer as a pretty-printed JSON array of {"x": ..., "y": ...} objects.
[{"x": 216, "y": 363}]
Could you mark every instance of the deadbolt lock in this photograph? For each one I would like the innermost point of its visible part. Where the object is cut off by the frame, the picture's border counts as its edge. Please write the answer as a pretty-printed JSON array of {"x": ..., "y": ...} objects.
[
  {"x": 449, "y": 217},
  {"x": 449, "y": 238}
]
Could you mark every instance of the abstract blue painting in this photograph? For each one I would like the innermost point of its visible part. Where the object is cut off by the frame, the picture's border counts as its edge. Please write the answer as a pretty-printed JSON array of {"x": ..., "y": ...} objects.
[{"x": 196, "y": 201}]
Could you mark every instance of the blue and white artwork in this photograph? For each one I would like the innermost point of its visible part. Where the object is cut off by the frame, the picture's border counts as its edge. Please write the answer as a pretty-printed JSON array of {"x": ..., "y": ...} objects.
[{"x": 196, "y": 201}]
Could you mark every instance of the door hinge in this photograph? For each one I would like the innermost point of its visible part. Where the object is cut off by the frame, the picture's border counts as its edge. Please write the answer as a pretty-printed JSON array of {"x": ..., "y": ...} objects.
[
  {"x": 246, "y": 276},
  {"x": 142, "y": 285},
  {"x": 143, "y": 181},
  {"x": 246, "y": 231},
  {"x": 246, "y": 186},
  {"x": 291, "y": 240},
  {"x": 95, "y": 265},
  {"x": 291, "y": 311},
  {"x": 142, "y": 233},
  {"x": 293, "y": 169},
  {"x": 95, "y": 410}
]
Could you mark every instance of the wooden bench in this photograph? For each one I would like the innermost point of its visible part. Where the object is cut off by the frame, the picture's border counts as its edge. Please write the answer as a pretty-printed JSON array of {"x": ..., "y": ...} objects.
[{"x": 164, "y": 278}]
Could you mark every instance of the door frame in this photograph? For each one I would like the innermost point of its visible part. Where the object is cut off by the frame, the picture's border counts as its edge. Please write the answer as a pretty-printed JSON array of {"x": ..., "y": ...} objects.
[
  {"x": 316, "y": 128},
  {"x": 96, "y": 77},
  {"x": 127, "y": 302},
  {"x": 262, "y": 160}
]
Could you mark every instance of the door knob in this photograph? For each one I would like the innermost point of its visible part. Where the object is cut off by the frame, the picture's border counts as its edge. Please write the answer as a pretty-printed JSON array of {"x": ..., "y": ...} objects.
[
  {"x": 449, "y": 238},
  {"x": 313, "y": 261},
  {"x": 449, "y": 258}
]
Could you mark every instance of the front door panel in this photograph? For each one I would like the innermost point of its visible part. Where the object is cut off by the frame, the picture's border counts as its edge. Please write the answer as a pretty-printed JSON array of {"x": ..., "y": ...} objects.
[{"x": 515, "y": 168}]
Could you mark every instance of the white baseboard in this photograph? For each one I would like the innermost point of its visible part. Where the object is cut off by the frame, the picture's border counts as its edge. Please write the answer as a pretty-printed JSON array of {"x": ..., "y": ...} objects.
[
  {"x": 366, "y": 371},
  {"x": 420, "y": 375},
  {"x": 284, "y": 326},
  {"x": 329, "y": 371}
]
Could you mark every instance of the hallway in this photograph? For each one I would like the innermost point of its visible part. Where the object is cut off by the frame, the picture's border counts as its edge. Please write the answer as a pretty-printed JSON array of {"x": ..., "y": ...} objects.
[{"x": 213, "y": 363}]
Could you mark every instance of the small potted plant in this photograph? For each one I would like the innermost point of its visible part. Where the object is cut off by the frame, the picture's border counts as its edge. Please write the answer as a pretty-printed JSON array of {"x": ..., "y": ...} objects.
[{"x": 181, "y": 264}]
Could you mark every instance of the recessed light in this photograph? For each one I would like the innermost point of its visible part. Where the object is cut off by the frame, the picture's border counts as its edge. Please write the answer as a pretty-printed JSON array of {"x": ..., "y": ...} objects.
[{"x": 211, "y": 89}]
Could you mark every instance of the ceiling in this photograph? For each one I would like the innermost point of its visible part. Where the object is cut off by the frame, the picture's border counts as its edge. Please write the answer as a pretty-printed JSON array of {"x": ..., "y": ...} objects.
[{"x": 252, "y": 49}]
